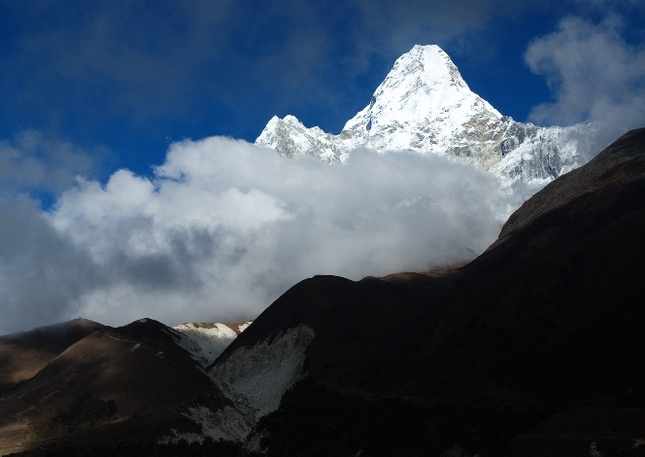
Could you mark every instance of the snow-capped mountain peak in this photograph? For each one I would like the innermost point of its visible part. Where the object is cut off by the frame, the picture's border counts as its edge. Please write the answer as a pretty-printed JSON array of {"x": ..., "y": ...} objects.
[
  {"x": 424, "y": 84},
  {"x": 424, "y": 105}
]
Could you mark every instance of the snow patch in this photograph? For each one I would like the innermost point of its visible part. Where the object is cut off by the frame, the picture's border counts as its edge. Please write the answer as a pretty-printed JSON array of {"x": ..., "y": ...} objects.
[
  {"x": 205, "y": 342},
  {"x": 257, "y": 377}
]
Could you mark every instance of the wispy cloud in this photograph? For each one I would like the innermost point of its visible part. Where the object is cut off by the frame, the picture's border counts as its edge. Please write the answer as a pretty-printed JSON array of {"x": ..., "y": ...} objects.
[{"x": 30, "y": 162}]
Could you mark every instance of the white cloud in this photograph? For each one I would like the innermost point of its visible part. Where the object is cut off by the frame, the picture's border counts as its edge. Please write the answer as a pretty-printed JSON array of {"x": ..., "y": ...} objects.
[
  {"x": 41, "y": 275},
  {"x": 225, "y": 227},
  {"x": 594, "y": 73}
]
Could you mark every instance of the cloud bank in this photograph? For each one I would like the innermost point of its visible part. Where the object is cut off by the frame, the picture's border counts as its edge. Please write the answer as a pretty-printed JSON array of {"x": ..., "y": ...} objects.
[{"x": 224, "y": 227}]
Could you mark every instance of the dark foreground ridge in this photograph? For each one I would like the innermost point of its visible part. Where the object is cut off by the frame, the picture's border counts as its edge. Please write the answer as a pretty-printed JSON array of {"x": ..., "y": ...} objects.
[{"x": 536, "y": 348}]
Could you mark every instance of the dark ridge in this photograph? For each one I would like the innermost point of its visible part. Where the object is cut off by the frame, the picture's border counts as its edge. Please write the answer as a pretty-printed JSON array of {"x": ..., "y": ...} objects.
[{"x": 508, "y": 355}]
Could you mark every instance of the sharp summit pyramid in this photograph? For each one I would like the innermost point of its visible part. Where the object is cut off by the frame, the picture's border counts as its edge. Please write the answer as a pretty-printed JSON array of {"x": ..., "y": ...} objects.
[{"x": 424, "y": 105}]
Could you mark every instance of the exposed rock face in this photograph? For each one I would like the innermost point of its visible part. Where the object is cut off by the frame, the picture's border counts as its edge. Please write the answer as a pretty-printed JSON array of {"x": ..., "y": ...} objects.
[
  {"x": 258, "y": 376},
  {"x": 424, "y": 105}
]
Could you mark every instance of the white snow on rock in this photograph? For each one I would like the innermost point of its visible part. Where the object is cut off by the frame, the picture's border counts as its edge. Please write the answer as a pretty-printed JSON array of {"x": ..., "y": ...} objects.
[
  {"x": 205, "y": 342},
  {"x": 243, "y": 326},
  {"x": 424, "y": 105},
  {"x": 257, "y": 377}
]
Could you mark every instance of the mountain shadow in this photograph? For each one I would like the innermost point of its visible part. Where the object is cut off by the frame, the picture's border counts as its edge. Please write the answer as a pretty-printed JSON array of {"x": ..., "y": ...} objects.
[{"x": 534, "y": 348}]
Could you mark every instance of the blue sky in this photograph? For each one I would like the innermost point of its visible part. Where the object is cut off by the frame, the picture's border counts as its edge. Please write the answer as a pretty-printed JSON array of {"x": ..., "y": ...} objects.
[
  {"x": 108, "y": 210},
  {"x": 129, "y": 77}
]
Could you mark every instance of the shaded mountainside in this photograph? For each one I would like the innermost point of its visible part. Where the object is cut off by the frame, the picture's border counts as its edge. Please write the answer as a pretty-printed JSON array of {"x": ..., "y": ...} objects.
[
  {"x": 535, "y": 348},
  {"x": 124, "y": 388},
  {"x": 510, "y": 354}
]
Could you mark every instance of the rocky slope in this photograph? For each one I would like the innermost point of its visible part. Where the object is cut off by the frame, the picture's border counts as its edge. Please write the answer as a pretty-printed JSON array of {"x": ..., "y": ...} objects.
[
  {"x": 424, "y": 105},
  {"x": 116, "y": 391}
]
